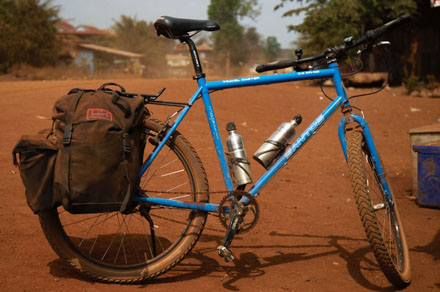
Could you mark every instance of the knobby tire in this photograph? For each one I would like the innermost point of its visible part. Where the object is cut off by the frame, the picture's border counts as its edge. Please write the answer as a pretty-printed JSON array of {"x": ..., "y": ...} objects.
[{"x": 383, "y": 226}]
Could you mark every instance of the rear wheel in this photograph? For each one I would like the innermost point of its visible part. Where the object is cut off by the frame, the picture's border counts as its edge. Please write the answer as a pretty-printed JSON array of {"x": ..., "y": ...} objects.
[
  {"x": 150, "y": 240},
  {"x": 380, "y": 217}
]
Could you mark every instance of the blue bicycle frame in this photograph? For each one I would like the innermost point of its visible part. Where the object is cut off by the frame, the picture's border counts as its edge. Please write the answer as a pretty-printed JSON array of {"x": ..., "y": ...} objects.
[{"x": 203, "y": 90}]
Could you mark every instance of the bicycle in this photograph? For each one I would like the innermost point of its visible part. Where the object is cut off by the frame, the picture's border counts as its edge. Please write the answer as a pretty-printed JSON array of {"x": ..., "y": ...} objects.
[{"x": 167, "y": 219}]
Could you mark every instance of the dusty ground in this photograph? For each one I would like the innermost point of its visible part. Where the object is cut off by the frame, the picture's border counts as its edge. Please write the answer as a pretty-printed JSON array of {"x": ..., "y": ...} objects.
[{"x": 309, "y": 237}]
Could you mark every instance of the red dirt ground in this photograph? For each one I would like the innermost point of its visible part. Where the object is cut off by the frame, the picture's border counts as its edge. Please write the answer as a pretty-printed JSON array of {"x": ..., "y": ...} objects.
[{"x": 309, "y": 236}]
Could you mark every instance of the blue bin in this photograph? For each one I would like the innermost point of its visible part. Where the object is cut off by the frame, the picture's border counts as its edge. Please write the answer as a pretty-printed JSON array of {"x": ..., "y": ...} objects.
[{"x": 428, "y": 174}]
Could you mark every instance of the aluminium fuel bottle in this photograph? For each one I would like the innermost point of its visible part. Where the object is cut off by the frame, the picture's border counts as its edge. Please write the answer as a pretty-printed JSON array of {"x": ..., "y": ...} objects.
[
  {"x": 274, "y": 146},
  {"x": 238, "y": 161}
]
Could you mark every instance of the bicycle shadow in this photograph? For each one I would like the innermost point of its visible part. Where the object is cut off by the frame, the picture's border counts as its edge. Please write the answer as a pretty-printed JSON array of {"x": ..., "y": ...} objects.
[
  {"x": 60, "y": 269},
  {"x": 431, "y": 248},
  {"x": 199, "y": 263},
  {"x": 355, "y": 261},
  {"x": 249, "y": 265}
]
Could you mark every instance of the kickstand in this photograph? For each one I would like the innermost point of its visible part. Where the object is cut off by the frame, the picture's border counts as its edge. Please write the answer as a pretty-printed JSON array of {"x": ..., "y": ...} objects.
[{"x": 146, "y": 214}]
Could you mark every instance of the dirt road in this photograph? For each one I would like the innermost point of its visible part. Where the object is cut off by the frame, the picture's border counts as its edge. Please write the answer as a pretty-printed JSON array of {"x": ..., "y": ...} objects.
[{"x": 309, "y": 236}]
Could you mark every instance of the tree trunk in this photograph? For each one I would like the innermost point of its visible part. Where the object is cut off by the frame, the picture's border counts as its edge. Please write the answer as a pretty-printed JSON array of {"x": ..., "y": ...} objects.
[
  {"x": 410, "y": 68},
  {"x": 228, "y": 61}
]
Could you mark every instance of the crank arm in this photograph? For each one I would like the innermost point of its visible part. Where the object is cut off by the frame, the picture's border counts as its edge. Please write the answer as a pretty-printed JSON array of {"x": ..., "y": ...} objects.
[{"x": 223, "y": 250}]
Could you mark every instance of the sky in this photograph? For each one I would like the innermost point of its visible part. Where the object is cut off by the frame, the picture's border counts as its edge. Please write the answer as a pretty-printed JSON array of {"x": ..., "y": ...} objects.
[{"x": 102, "y": 13}]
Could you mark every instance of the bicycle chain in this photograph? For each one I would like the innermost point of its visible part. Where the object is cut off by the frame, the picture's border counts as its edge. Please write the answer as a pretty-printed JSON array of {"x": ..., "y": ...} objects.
[
  {"x": 186, "y": 193},
  {"x": 250, "y": 207},
  {"x": 222, "y": 216}
]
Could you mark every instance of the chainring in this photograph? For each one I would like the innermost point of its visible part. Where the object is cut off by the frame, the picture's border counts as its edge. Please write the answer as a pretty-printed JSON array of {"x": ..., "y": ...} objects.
[{"x": 250, "y": 211}]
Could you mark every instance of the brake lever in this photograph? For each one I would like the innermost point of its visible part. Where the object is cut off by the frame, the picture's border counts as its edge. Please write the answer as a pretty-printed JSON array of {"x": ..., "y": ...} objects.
[
  {"x": 383, "y": 43},
  {"x": 366, "y": 48}
]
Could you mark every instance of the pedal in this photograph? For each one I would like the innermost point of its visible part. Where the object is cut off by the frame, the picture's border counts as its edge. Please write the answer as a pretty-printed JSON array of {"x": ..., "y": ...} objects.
[{"x": 225, "y": 253}]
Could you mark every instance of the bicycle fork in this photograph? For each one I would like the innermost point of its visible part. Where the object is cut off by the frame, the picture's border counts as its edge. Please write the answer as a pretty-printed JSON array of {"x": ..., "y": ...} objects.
[{"x": 351, "y": 121}]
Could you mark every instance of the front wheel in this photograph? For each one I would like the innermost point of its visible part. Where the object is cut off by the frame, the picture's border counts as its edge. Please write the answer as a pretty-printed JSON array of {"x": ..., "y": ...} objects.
[
  {"x": 380, "y": 216},
  {"x": 147, "y": 241}
]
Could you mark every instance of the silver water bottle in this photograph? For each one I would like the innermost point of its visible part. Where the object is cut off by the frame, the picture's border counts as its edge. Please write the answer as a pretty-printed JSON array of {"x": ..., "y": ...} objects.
[
  {"x": 277, "y": 142},
  {"x": 239, "y": 163}
]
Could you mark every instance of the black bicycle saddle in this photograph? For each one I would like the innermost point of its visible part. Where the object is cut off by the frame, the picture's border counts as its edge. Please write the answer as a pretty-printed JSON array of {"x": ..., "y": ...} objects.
[{"x": 176, "y": 28}]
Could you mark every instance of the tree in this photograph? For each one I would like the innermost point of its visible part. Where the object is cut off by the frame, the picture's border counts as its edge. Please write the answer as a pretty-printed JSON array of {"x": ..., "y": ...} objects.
[
  {"x": 230, "y": 37},
  {"x": 140, "y": 37},
  {"x": 28, "y": 33},
  {"x": 253, "y": 44},
  {"x": 272, "y": 48},
  {"x": 328, "y": 22}
]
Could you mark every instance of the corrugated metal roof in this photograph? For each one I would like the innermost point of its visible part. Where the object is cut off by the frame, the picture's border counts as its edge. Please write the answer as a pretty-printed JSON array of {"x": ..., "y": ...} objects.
[
  {"x": 66, "y": 28},
  {"x": 111, "y": 51}
]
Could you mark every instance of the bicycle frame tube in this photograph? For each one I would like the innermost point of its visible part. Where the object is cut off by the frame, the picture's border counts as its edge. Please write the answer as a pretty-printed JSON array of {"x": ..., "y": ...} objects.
[
  {"x": 332, "y": 72},
  {"x": 179, "y": 119},
  {"x": 205, "y": 87},
  {"x": 299, "y": 142}
]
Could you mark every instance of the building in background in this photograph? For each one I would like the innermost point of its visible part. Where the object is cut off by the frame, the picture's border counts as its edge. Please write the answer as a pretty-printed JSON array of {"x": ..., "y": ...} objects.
[
  {"x": 80, "y": 48},
  {"x": 180, "y": 64}
]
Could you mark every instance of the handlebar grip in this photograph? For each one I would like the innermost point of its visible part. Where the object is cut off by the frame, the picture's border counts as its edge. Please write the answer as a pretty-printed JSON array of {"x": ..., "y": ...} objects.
[
  {"x": 288, "y": 63},
  {"x": 376, "y": 33},
  {"x": 274, "y": 65}
]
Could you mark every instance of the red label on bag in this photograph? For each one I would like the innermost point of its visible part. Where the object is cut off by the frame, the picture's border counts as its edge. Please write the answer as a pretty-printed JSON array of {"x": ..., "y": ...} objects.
[{"x": 99, "y": 114}]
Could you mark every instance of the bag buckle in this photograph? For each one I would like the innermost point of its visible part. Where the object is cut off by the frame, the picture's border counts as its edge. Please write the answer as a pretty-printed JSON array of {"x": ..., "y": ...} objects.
[
  {"x": 14, "y": 158},
  {"x": 67, "y": 137},
  {"x": 127, "y": 148}
]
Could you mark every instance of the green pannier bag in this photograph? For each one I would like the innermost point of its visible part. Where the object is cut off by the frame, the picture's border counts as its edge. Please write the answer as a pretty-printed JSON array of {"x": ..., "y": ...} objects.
[
  {"x": 90, "y": 161},
  {"x": 100, "y": 137},
  {"x": 36, "y": 163}
]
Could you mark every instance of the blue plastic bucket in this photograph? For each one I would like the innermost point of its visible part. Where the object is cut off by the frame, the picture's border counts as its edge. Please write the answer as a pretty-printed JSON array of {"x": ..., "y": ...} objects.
[{"x": 428, "y": 174}]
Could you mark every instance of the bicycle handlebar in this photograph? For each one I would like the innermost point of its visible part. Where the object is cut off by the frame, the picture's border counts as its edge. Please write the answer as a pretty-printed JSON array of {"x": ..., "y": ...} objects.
[
  {"x": 369, "y": 37},
  {"x": 287, "y": 63},
  {"x": 376, "y": 33}
]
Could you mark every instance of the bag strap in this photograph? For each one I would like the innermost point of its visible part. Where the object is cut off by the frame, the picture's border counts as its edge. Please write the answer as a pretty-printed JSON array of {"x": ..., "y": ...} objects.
[
  {"x": 127, "y": 150},
  {"x": 128, "y": 194},
  {"x": 116, "y": 97},
  {"x": 121, "y": 103},
  {"x": 103, "y": 86},
  {"x": 14, "y": 157},
  {"x": 77, "y": 89},
  {"x": 67, "y": 136}
]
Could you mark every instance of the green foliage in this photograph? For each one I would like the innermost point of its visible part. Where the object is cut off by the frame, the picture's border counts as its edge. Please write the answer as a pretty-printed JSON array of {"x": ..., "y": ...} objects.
[
  {"x": 253, "y": 38},
  {"x": 328, "y": 22},
  {"x": 140, "y": 37},
  {"x": 27, "y": 33},
  {"x": 253, "y": 44},
  {"x": 230, "y": 37},
  {"x": 431, "y": 83},
  {"x": 225, "y": 11},
  {"x": 412, "y": 84},
  {"x": 272, "y": 49}
]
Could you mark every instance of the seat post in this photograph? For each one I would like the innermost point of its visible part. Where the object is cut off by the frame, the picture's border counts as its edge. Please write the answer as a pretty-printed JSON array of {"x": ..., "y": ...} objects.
[{"x": 194, "y": 56}]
